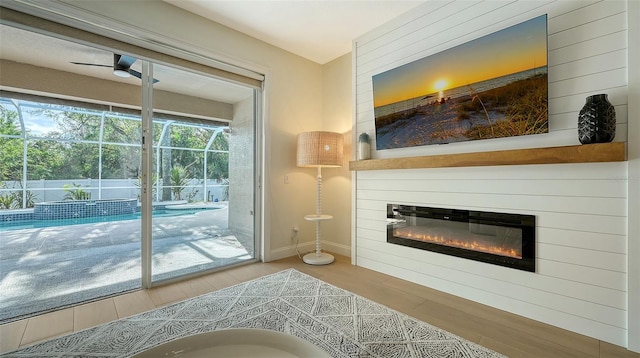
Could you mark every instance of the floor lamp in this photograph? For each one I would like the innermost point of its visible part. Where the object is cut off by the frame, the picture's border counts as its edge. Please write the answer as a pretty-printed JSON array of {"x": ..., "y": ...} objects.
[{"x": 319, "y": 149}]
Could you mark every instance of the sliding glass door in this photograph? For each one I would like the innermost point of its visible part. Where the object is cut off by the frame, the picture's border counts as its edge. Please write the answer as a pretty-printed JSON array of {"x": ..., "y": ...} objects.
[
  {"x": 87, "y": 207},
  {"x": 192, "y": 229}
]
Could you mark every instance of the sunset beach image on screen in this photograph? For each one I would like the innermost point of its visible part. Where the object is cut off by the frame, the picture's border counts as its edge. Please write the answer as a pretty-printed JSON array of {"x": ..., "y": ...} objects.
[{"x": 494, "y": 86}]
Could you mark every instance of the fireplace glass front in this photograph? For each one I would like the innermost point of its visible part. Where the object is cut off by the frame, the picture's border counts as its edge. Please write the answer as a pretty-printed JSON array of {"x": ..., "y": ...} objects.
[{"x": 497, "y": 238}]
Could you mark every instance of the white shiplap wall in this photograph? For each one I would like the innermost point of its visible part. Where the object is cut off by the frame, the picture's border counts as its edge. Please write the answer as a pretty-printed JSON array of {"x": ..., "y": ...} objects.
[{"x": 580, "y": 282}]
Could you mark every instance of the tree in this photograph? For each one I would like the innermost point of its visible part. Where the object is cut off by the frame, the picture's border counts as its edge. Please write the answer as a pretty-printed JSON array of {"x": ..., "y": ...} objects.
[
  {"x": 12, "y": 148},
  {"x": 172, "y": 156},
  {"x": 218, "y": 162},
  {"x": 179, "y": 180},
  {"x": 44, "y": 157},
  {"x": 73, "y": 148},
  {"x": 81, "y": 133},
  {"x": 189, "y": 137},
  {"x": 121, "y": 161},
  {"x": 165, "y": 169}
]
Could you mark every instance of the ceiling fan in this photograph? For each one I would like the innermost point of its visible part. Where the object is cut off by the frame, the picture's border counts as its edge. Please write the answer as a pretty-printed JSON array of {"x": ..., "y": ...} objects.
[{"x": 121, "y": 66}]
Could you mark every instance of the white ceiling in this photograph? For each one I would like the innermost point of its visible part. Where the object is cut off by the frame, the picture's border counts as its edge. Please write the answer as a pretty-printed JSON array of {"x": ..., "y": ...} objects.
[{"x": 319, "y": 30}]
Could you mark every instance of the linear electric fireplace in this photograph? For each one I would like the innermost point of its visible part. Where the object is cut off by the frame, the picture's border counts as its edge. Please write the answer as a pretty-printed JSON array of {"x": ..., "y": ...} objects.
[{"x": 497, "y": 238}]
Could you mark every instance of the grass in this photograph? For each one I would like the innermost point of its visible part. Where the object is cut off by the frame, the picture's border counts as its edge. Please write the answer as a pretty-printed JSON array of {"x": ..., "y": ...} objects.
[
  {"x": 523, "y": 104},
  {"x": 384, "y": 121}
]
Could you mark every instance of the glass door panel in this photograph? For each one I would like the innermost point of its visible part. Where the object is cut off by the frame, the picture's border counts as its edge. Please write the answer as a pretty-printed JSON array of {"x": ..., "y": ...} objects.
[
  {"x": 69, "y": 223},
  {"x": 72, "y": 231},
  {"x": 194, "y": 223}
]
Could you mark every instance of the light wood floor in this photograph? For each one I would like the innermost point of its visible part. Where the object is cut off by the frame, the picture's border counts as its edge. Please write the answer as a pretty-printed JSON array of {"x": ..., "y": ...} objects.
[{"x": 503, "y": 332}]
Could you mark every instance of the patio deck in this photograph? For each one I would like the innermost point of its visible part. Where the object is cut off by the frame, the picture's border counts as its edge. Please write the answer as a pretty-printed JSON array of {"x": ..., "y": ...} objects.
[{"x": 42, "y": 269}]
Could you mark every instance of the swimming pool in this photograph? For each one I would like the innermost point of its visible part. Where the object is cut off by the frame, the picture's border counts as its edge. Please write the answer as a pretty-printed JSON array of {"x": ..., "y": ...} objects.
[{"x": 36, "y": 224}]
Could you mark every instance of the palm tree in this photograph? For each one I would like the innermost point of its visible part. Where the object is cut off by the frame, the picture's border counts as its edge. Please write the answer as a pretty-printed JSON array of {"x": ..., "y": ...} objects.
[{"x": 179, "y": 179}]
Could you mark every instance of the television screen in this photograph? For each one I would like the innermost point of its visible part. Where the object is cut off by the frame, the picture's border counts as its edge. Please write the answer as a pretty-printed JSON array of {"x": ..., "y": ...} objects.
[{"x": 491, "y": 87}]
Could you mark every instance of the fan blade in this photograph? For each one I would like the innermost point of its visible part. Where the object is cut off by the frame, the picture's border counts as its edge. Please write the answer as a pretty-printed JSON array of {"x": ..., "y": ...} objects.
[
  {"x": 124, "y": 60},
  {"x": 135, "y": 73},
  {"x": 139, "y": 75},
  {"x": 90, "y": 64}
]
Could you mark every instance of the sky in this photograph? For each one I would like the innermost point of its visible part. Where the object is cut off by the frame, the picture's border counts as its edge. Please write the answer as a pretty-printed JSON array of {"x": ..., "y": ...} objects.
[{"x": 514, "y": 49}]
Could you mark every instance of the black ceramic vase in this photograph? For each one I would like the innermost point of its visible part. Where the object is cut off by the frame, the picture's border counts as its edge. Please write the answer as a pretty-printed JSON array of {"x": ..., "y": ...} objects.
[{"x": 597, "y": 120}]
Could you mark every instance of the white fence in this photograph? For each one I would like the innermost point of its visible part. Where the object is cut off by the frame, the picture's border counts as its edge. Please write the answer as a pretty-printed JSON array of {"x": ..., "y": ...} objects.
[{"x": 54, "y": 190}]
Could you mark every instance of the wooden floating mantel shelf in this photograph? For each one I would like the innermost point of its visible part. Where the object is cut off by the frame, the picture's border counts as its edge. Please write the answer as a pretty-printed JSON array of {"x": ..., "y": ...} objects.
[{"x": 589, "y": 153}]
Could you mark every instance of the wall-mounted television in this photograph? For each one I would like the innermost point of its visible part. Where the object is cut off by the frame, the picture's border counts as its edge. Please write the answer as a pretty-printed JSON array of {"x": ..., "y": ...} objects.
[{"x": 491, "y": 87}]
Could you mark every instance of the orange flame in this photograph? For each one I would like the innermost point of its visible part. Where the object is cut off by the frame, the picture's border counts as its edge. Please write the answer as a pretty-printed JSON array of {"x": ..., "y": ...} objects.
[{"x": 469, "y": 245}]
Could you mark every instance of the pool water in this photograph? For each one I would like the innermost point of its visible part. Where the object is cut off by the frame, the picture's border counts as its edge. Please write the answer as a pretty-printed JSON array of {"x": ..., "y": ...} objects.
[{"x": 36, "y": 224}]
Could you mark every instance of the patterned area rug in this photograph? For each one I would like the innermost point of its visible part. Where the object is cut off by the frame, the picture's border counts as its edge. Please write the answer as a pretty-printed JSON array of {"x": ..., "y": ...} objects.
[{"x": 340, "y": 322}]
